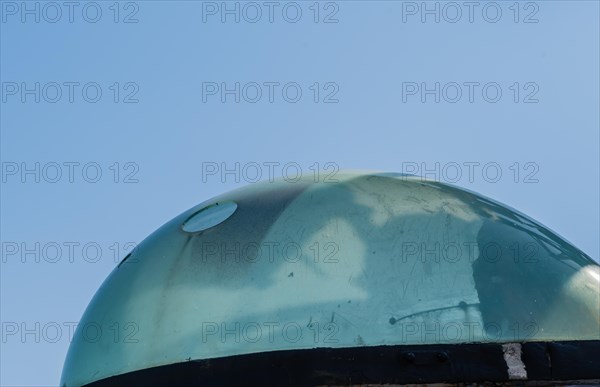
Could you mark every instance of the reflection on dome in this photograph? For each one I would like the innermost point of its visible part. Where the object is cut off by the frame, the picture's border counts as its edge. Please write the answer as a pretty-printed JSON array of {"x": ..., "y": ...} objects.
[{"x": 370, "y": 260}]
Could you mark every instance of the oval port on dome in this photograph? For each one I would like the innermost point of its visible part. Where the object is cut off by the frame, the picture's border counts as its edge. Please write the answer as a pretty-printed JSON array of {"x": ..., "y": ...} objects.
[{"x": 208, "y": 217}]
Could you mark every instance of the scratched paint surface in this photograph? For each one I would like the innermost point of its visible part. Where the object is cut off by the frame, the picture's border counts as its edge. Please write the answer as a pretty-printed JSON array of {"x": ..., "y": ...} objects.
[{"x": 371, "y": 259}]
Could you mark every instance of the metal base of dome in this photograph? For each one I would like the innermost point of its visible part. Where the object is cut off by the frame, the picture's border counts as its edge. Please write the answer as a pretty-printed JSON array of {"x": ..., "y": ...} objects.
[{"x": 545, "y": 363}]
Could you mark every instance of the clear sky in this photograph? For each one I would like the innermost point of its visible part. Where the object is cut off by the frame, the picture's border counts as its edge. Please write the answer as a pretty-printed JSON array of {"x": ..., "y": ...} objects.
[{"x": 115, "y": 117}]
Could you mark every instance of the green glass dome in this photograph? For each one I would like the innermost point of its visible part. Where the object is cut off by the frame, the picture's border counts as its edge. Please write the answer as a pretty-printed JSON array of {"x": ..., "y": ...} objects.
[{"x": 366, "y": 260}]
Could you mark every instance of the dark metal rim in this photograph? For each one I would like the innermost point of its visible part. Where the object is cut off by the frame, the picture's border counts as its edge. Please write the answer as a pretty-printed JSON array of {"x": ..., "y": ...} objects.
[{"x": 402, "y": 364}]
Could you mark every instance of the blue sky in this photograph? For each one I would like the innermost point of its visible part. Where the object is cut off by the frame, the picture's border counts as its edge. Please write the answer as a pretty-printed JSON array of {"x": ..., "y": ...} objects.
[{"x": 108, "y": 169}]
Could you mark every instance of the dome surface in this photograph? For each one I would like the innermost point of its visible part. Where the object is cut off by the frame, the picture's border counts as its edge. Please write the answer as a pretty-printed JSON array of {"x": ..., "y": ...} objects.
[{"x": 366, "y": 260}]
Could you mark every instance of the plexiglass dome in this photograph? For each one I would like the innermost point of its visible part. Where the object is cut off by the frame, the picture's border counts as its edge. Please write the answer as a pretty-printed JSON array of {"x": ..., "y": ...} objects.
[{"x": 368, "y": 260}]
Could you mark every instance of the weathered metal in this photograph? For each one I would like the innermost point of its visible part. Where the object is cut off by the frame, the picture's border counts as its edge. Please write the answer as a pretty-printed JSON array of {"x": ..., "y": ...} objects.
[{"x": 368, "y": 260}]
